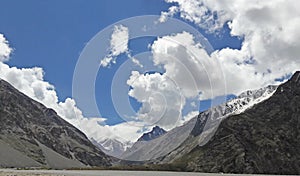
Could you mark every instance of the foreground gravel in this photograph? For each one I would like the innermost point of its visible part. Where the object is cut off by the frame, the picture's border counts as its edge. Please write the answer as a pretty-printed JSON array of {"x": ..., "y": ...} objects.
[{"x": 11, "y": 172}]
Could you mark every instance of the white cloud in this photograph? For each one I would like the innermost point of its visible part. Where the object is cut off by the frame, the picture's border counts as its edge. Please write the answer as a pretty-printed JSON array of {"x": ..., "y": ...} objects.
[
  {"x": 271, "y": 46},
  {"x": 160, "y": 97},
  {"x": 188, "y": 65},
  {"x": 118, "y": 45},
  {"x": 195, "y": 11},
  {"x": 5, "y": 50},
  {"x": 135, "y": 61},
  {"x": 164, "y": 15},
  {"x": 189, "y": 74},
  {"x": 105, "y": 62}
]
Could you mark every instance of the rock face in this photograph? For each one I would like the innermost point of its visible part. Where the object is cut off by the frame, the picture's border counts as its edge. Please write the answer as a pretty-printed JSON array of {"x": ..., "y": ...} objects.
[
  {"x": 37, "y": 136},
  {"x": 153, "y": 134},
  {"x": 264, "y": 139}
]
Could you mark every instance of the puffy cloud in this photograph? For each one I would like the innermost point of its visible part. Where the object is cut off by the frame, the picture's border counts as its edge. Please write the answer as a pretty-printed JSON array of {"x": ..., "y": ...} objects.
[
  {"x": 196, "y": 12},
  {"x": 189, "y": 74},
  {"x": 160, "y": 97},
  {"x": 31, "y": 82},
  {"x": 189, "y": 66},
  {"x": 119, "y": 40},
  {"x": 270, "y": 47},
  {"x": 118, "y": 45},
  {"x": 5, "y": 50}
]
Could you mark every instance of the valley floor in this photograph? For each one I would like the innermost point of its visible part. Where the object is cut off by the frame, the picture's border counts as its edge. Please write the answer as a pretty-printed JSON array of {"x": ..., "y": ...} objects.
[{"x": 11, "y": 172}]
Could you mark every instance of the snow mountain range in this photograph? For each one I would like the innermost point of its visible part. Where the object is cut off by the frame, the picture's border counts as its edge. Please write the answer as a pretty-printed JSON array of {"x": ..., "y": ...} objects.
[{"x": 158, "y": 142}]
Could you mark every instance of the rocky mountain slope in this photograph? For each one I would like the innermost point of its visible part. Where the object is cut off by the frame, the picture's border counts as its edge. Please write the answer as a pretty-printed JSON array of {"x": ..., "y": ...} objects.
[
  {"x": 198, "y": 130},
  {"x": 264, "y": 139},
  {"x": 153, "y": 134},
  {"x": 32, "y": 135}
]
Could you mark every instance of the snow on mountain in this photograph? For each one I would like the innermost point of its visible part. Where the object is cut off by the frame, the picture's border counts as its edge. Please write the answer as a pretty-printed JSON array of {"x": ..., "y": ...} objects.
[
  {"x": 263, "y": 139},
  {"x": 116, "y": 148},
  {"x": 205, "y": 122},
  {"x": 112, "y": 147},
  {"x": 248, "y": 99}
]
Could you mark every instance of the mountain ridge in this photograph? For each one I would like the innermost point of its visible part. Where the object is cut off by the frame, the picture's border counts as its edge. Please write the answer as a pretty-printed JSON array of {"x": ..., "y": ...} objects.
[
  {"x": 38, "y": 134},
  {"x": 172, "y": 144},
  {"x": 263, "y": 139}
]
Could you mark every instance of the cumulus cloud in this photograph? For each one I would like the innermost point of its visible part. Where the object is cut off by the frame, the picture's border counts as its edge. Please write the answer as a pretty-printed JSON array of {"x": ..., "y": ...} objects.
[
  {"x": 270, "y": 47},
  {"x": 187, "y": 63},
  {"x": 118, "y": 45},
  {"x": 189, "y": 74},
  {"x": 160, "y": 97},
  {"x": 195, "y": 11}
]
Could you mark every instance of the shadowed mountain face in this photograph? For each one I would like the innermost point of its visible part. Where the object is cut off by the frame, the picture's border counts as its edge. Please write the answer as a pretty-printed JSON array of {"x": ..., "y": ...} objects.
[
  {"x": 263, "y": 139},
  {"x": 37, "y": 136},
  {"x": 153, "y": 134}
]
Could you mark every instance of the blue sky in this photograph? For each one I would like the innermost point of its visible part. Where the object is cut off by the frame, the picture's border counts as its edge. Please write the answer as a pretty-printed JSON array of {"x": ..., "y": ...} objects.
[{"x": 52, "y": 33}]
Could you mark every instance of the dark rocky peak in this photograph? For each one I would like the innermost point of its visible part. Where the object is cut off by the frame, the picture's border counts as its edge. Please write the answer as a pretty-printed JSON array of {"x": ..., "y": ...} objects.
[
  {"x": 153, "y": 134},
  {"x": 296, "y": 77}
]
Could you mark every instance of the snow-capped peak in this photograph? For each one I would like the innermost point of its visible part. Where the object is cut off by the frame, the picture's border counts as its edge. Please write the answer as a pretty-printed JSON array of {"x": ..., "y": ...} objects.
[
  {"x": 112, "y": 147},
  {"x": 248, "y": 99},
  {"x": 239, "y": 104}
]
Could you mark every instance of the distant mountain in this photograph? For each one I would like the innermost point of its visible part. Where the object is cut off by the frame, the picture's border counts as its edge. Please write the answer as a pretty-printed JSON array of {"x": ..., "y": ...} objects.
[
  {"x": 32, "y": 135},
  {"x": 264, "y": 139},
  {"x": 111, "y": 147},
  {"x": 153, "y": 134},
  {"x": 183, "y": 139},
  {"x": 115, "y": 148}
]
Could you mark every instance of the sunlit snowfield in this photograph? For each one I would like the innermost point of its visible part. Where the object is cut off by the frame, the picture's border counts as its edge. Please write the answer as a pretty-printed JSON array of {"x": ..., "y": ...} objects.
[{"x": 8, "y": 172}]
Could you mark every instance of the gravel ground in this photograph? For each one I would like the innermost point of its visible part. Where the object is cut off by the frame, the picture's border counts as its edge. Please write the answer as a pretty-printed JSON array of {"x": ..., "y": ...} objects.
[{"x": 10, "y": 172}]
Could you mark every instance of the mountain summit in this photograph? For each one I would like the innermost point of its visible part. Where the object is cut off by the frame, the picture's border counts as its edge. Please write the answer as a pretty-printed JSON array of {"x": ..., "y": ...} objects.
[
  {"x": 153, "y": 134},
  {"x": 32, "y": 135}
]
